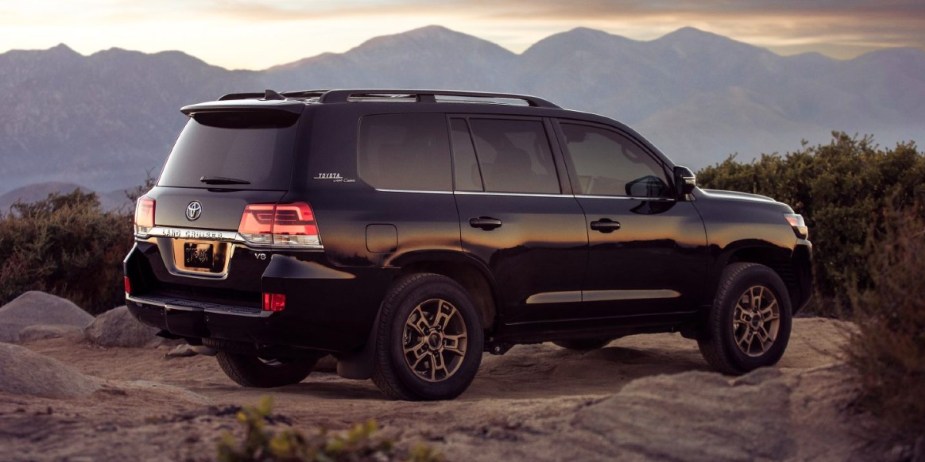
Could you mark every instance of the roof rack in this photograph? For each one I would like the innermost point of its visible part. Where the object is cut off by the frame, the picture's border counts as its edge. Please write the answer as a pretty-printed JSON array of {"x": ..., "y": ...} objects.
[
  {"x": 429, "y": 96},
  {"x": 419, "y": 96}
]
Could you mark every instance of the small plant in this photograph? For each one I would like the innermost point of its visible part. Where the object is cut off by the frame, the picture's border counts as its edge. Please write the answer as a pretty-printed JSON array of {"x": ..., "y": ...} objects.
[
  {"x": 357, "y": 444},
  {"x": 888, "y": 350}
]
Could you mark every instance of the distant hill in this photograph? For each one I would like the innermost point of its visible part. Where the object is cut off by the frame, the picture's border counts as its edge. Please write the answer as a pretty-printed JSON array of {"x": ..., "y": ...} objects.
[
  {"x": 104, "y": 120},
  {"x": 113, "y": 200}
]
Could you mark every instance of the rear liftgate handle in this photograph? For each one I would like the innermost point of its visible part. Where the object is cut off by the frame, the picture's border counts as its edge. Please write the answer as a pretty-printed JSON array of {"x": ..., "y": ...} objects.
[
  {"x": 486, "y": 223},
  {"x": 605, "y": 225}
]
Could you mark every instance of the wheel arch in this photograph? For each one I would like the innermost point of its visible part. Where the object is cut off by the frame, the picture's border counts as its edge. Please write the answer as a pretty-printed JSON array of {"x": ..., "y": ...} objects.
[
  {"x": 468, "y": 273},
  {"x": 792, "y": 265}
]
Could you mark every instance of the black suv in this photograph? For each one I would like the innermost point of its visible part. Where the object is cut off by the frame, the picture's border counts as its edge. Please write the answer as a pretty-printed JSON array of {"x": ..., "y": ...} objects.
[{"x": 406, "y": 232}]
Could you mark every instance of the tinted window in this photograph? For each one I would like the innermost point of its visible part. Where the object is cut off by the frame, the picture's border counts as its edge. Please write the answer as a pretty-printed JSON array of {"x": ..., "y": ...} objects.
[
  {"x": 610, "y": 164},
  {"x": 255, "y": 147},
  {"x": 468, "y": 176},
  {"x": 514, "y": 156},
  {"x": 405, "y": 151}
]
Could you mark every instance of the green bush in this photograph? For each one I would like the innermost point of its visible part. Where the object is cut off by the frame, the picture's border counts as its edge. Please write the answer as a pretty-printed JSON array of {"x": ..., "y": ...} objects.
[
  {"x": 65, "y": 245},
  {"x": 841, "y": 189},
  {"x": 357, "y": 444},
  {"x": 888, "y": 349}
]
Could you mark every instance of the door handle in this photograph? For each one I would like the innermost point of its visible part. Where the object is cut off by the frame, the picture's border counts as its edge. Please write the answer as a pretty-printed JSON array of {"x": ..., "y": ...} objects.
[
  {"x": 486, "y": 223},
  {"x": 605, "y": 225}
]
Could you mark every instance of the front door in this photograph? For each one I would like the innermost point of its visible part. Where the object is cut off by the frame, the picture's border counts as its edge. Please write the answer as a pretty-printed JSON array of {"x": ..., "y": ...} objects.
[{"x": 648, "y": 252}]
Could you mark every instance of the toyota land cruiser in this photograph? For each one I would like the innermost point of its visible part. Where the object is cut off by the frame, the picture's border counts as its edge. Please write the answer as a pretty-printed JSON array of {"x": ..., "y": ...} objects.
[{"x": 408, "y": 231}]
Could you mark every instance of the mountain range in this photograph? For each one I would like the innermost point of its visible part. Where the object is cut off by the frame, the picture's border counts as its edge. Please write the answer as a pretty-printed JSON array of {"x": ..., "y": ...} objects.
[{"x": 107, "y": 120}]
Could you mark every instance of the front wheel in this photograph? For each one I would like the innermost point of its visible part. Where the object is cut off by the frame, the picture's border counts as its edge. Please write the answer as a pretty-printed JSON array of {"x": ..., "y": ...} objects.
[
  {"x": 749, "y": 324},
  {"x": 430, "y": 340},
  {"x": 249, "y": 370}
]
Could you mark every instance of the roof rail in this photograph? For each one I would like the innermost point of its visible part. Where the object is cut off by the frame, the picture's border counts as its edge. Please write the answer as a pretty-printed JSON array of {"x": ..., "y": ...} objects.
[{"x": 427, "y": 96}]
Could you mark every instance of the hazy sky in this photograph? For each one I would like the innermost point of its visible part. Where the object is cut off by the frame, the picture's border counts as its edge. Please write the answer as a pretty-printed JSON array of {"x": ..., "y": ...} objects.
[{"x": 253, "y": 34}]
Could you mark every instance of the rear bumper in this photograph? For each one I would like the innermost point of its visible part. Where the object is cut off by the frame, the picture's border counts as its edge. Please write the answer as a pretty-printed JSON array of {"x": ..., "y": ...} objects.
[{"x": 326, "y": 309}]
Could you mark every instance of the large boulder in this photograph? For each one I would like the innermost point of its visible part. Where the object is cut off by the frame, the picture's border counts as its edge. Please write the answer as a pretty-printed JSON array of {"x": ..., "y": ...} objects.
[
  {"x": 28, "y": 373},
  {"x": 47, "y": 331},
  {"x": 118, "y": 328},
  {"x": 39, "y": 308}
]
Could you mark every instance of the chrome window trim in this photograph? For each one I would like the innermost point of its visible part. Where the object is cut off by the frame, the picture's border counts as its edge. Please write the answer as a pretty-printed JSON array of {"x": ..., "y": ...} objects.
[
  {"x": 413, "y": 191},
  {"x": 488, "y": 193},
  {"x": 659, "y": 199}
]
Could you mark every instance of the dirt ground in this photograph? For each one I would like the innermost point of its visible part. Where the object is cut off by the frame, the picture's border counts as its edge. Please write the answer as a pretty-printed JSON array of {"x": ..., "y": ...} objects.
[{"x": 647, "y": 397}]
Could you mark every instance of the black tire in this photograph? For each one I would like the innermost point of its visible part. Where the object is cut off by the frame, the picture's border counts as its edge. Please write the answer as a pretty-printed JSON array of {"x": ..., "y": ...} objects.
[
  {"x": 248, "y": 370},
  {"x": 751, "y": 304},
  {"x": 583, "y": 344},
  {"x": 434, "y": 318}
]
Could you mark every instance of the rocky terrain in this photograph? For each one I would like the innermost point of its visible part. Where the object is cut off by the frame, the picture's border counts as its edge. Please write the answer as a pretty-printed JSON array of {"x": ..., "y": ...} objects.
[{"x": 108, "y": 389}]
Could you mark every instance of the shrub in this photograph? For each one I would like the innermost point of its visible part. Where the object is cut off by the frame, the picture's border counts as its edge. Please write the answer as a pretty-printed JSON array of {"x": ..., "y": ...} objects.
[
  {"x": 357, "y": 444},
  {"x": 841, "y": 189},
  {"x": 888, "y": 350},
  {"x": 66, "y": 245}
]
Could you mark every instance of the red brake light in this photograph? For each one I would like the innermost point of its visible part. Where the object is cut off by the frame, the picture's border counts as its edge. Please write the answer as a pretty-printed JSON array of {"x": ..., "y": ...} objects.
[
  {"x": 144, "y": 215},
  {"x": 127, "y": 283},
  {"x": 288, "y": 225},
  {"x": 274, "y": 302}
]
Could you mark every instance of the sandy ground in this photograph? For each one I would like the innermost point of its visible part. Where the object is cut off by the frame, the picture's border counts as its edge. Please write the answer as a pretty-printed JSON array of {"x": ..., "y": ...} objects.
[{"x": 647, "y": 397}]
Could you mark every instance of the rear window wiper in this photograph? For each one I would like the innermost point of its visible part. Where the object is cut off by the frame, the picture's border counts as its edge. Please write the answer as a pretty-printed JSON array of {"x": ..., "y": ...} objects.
[{"x": 222, "y": 180}]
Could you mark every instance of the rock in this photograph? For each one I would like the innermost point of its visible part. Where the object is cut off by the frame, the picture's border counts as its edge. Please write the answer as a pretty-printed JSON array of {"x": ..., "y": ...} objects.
[
  {"x": 46, "y": 331},
  {"x": 28, "y": 373},
  {"x": 181, "y": 351},
  {"x": 721, "y": 419},
  {"x": 118, "y": 328},
  {"x": 36, "y": 308}
]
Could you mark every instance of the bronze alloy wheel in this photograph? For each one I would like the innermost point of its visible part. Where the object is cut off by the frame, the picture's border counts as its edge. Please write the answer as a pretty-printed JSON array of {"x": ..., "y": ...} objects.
[
  {"x": 756, "y": 320},
  {"x": 434, "y": 340}
]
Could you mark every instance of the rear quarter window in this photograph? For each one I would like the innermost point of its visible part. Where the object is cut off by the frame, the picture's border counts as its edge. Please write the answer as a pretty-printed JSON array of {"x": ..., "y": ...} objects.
[
  {"x": 255, "y": 147},
  {"x": 405, "y": 152}
]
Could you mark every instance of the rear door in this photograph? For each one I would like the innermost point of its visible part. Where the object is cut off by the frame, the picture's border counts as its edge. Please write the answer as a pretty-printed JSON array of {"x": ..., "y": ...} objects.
[
  {"x": 221, "y": 162},
  {"x": 647, "y": 250},
  {"x": 516, "y": 218}
]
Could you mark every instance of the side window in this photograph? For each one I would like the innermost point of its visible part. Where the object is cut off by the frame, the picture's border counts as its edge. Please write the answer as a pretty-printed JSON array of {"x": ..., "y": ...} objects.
[
  {"x": 405, "y": 151},
  {"x": 467, "y": 174},
  {"x": 610, "y": 164},
  {"x": 514, "y": 156}
]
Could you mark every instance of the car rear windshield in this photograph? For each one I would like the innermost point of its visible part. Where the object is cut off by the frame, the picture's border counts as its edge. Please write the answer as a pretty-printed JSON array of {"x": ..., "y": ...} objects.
[{"x": 236, "y": 150}]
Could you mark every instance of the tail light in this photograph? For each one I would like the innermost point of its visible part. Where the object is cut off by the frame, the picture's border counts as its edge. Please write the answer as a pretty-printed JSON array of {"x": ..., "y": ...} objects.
[
  {"x": 798, "y": 224},
  {"x": 283, "y": 225},
  {"x": 274, "y": 302},
  {"x": 144, "y": 215},
  {"x": 128, "y": 284}
]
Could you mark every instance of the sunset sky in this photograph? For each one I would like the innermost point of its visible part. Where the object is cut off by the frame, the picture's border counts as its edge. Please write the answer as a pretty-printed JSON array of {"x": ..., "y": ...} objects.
[{"x": 252, "y": 34}]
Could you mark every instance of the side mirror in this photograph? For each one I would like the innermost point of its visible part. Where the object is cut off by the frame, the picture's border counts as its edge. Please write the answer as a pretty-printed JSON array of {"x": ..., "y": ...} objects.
[{"x": 684, "y": 180}]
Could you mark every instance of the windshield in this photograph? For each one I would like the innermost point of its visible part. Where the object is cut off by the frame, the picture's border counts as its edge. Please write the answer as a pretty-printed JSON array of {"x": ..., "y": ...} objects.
[{"x": 233, "y": 150}]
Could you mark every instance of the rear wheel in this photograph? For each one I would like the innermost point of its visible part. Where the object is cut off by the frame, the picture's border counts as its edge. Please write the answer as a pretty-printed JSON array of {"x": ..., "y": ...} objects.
[
  {"x": 430, "y": 340},
  {"x": 249, "y": 370},
  {"x": 749, "y": 325}
]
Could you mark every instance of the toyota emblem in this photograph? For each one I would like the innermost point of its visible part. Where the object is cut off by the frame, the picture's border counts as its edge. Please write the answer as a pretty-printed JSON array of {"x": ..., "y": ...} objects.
[{"x": 193, "y": 211}]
